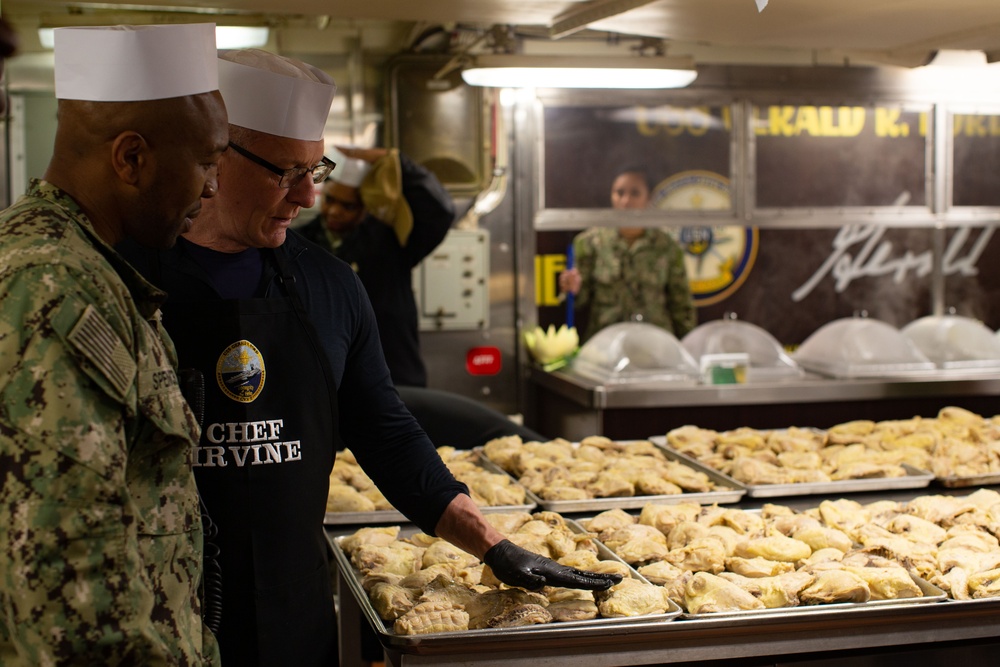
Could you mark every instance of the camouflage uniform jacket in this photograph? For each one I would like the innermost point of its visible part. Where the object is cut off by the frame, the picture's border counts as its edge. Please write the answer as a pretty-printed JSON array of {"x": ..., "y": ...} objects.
[
  {"x": 621, "y": 281},
  {"x": 101, "y": 541}
]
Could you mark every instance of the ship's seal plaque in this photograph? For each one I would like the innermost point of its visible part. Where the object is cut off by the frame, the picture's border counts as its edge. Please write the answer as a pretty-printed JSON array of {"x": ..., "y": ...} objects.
[{"x": 718, "y": 258}]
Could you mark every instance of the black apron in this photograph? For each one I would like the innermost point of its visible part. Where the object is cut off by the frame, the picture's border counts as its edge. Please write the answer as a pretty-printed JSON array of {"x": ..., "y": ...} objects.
[{"x": 263, "y": 470}]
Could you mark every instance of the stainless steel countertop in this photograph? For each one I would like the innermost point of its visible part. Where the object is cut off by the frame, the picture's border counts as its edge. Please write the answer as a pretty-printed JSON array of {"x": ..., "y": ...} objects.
[
  {"x": 676, "y": 641},
  {"x": 810, "y": 389},
  {"x": 687, "y": 640}
]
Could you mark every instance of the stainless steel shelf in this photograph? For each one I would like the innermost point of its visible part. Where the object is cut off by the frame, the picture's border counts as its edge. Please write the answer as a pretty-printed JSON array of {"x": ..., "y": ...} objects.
[{"x": 811, "y": 389}]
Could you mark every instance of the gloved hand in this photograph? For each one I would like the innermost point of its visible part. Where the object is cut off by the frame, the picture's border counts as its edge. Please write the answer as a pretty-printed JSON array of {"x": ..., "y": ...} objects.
[{"x": 515, "y": 566}]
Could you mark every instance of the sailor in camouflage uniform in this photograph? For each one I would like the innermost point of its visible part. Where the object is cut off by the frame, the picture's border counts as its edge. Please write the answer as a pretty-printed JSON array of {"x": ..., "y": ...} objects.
[
  {"x": 101, "y": 544},
  {"x": 630, "y": 273}
]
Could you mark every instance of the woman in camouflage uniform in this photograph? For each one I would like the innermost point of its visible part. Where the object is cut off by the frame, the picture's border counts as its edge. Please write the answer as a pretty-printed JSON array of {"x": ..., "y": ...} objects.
[{"x": 629, "y": 273}]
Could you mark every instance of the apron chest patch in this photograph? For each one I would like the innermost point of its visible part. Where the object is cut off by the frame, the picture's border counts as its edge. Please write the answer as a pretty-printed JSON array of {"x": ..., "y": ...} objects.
[{"x": 240, "y": 371}]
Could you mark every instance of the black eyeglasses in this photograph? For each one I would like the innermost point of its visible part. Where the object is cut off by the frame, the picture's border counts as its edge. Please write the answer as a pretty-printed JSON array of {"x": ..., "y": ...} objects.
[{"x": 289, "y": 178}]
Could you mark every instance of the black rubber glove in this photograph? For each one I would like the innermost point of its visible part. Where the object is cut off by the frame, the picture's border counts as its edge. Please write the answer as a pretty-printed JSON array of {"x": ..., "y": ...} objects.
[{"x": 515, "y": 566}]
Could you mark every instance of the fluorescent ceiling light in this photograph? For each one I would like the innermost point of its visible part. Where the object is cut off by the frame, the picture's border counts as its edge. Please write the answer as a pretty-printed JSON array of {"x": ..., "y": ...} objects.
[
  {"x": 958, "y": 58},
  {"x": 47, "y": 37},
  {"x": 510, "y": 71},
  {"x": 240, "y": 37},
  {"x": 226, "y": 37}
]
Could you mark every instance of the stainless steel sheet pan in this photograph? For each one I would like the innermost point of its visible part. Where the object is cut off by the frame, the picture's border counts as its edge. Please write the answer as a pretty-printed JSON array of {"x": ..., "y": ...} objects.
[
  {"x": 915, "y": 478},
  {"x": 380, "y": 517},
  {"x": 957, "y": 482},
  {"x": 570, "y": 629},
  {"x": 377, "y": 517},
  {"x": 732, "y": 494},
  {"x": 931, "y": 593}
]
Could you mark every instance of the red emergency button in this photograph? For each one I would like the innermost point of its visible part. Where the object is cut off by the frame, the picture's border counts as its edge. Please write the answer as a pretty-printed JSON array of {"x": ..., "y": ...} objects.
[{"x": 483, "y": 361}]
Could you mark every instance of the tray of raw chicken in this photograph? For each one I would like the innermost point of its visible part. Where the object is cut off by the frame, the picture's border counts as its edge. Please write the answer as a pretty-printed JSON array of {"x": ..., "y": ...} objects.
[
  {"x": 416, "y": 589},
  {"x": 708, "y": 562},
  {"x": 963, "y": 448},
  {"x": 719, "y": 562},
  {"x": 854, "y": 456},
  {"x": 354, "y": 499},
  {"x": 598, "y": 473}
]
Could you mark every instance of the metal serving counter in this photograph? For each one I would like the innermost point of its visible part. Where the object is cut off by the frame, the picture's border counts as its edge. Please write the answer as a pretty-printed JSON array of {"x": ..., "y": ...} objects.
[
  {"x": 921, "y": 627},
  {"x": 560, "y": 404},
  {"x": 945, "y": 632}
]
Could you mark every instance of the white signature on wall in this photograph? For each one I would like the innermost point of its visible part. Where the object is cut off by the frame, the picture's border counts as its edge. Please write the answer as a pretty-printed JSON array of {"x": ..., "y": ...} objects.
[{"x": 875, "y": 258}]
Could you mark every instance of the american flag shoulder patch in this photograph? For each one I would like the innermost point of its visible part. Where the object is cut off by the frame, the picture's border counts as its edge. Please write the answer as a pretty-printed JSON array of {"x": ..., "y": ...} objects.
[{"x": 99, "y": 344}]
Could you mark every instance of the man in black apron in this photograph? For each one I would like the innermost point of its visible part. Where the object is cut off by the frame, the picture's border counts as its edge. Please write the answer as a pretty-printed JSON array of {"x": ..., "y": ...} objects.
[{"x": 286, "y": 342}]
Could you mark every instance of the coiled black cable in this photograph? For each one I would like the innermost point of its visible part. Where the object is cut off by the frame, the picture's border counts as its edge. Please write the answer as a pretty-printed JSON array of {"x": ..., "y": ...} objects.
[
  {"x": 192, "y": 384},
  {"x": 212, "y": 615}
]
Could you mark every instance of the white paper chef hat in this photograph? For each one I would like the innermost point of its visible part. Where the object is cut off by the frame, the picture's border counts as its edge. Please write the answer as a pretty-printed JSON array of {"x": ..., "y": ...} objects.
[
  {"x": 273, "y": 94},
  {"x": 131, "y": 63},
  {"x": 350, "y": 171}
]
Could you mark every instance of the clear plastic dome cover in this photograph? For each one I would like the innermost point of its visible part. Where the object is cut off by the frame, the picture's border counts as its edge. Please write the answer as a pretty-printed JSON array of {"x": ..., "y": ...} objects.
[
  {"x": 860, "y": 347},
  {"x": 634, "y": 352},
  {"x": 730, "y": 336},
  {"x": 954, "y": 341}
]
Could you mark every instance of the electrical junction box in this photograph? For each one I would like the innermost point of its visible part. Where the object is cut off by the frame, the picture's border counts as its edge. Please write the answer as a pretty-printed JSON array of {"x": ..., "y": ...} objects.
[{"x": 451, "y": 285}]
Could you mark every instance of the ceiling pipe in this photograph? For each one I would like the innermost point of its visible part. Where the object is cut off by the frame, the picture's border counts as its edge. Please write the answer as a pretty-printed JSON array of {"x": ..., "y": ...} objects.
[{"x": 583, "y": 14}]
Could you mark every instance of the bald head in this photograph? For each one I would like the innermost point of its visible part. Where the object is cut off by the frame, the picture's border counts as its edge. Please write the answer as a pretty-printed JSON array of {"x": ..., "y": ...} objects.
[
  {"x": 84, "y": 126},
  {"x": 139, "y": 169}
]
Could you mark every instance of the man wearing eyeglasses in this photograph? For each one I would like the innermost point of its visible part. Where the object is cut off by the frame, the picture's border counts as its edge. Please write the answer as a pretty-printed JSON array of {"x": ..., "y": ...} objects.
[{"x": 286, "y": 341}]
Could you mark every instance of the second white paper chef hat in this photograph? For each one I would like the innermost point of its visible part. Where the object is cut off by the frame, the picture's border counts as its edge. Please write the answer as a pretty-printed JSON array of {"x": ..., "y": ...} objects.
[
  {"x": 274, "y": 94},
  {"x": 132, "y": 63},
  {"x": 350, "y": 171}
]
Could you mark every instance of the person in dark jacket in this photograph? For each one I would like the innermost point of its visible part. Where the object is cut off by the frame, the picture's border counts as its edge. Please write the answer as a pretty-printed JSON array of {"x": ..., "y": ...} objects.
[{"x": 383, "y": 214}]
